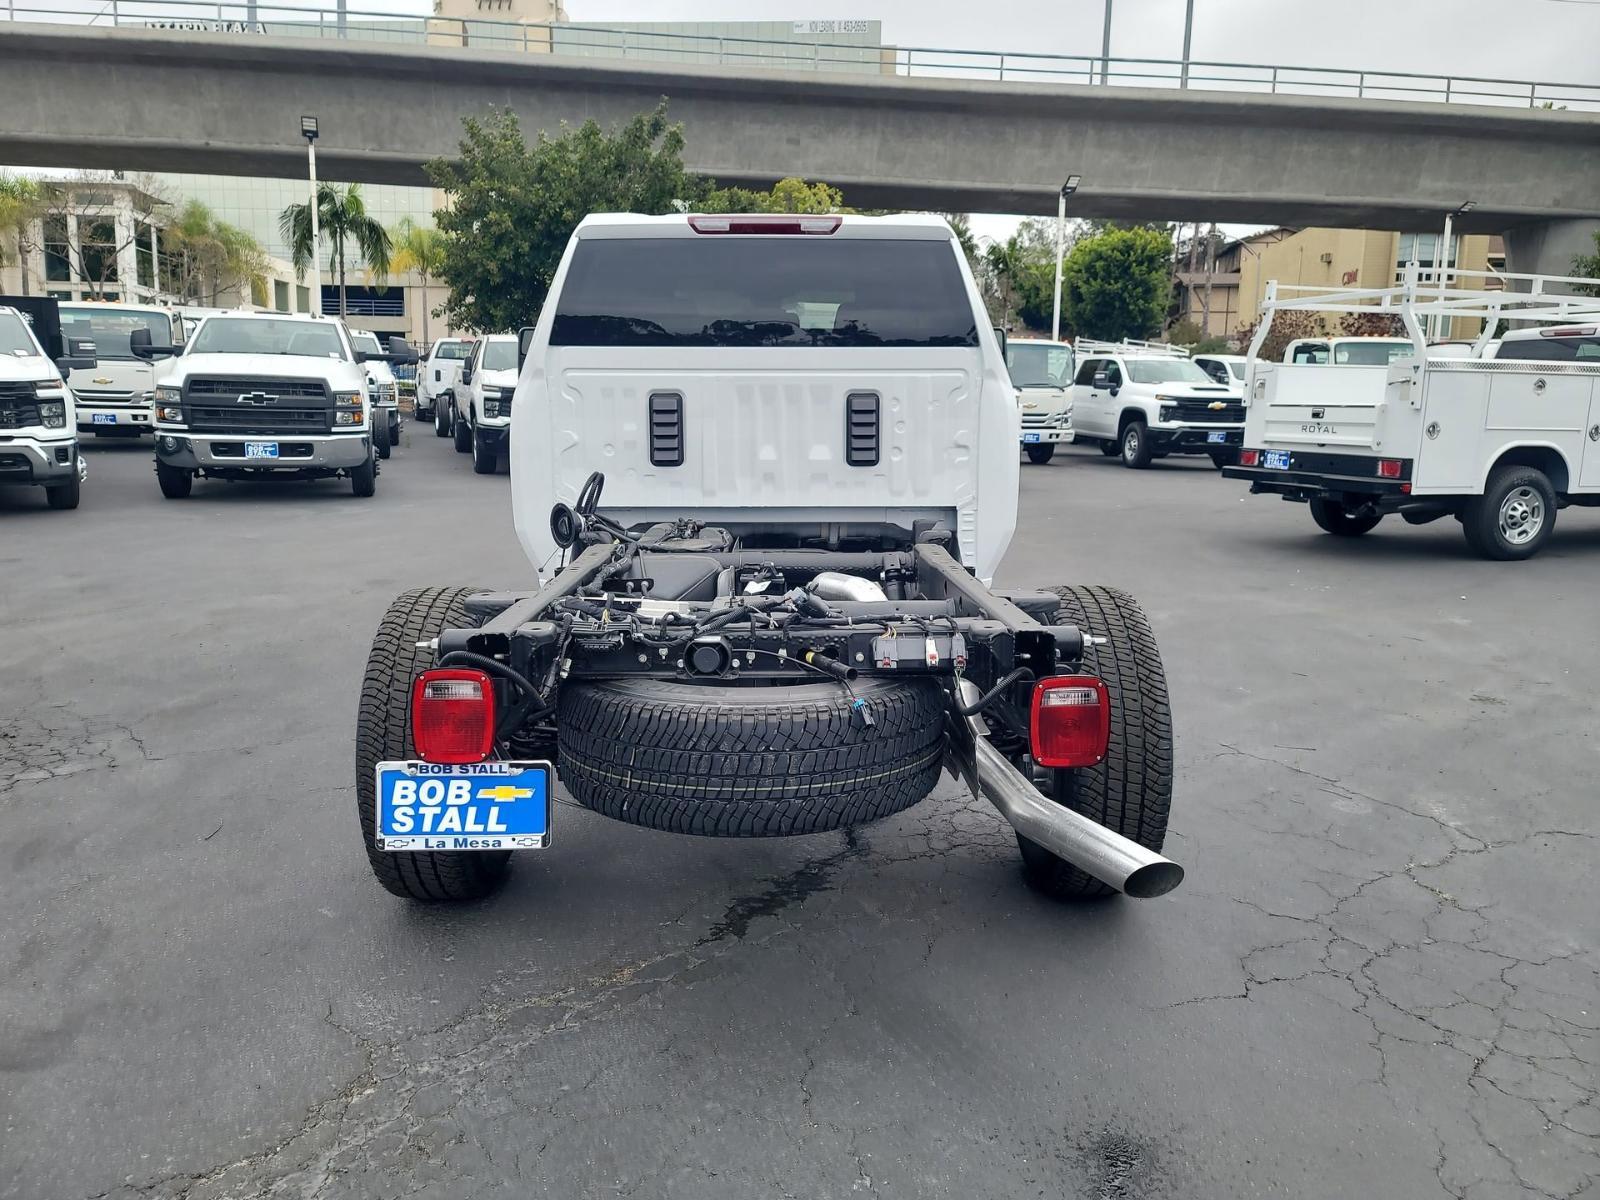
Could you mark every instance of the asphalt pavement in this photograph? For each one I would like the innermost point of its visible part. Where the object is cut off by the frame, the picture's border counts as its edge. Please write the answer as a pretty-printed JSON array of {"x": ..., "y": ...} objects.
[{"x": 1380, "y": 979}]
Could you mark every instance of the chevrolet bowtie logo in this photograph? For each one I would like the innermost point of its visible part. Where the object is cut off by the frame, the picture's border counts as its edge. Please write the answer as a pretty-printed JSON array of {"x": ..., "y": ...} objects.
[
  {"x": 504, "y": 791},
  {"x": 101, "y": 379},
  {"x": 257, "y": 398},
  {"x": 1216, "y": 406}
]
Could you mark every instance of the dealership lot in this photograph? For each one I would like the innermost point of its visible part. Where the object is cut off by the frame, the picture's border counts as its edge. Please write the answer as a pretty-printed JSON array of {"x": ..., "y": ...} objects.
[{"x": 1380, "y": 977}]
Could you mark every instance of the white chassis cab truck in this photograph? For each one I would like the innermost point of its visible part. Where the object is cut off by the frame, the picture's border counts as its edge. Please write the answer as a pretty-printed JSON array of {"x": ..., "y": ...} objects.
[
  {"x": 436, "y": 381},
  {"x": 38, "y": 436},
  {"x": 117, "y": 398},
  {"x": 484, "y": 389},
  {"x": 1500, "y": 444},
  {"x": 763, "y": 468},
  {"x": 1042, "y": 371},
  {"x": 266, "y": 396}
]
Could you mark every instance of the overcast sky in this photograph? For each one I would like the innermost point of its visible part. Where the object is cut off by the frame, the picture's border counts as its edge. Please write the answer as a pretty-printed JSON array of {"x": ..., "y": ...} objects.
[{"x": 1556, "y": 40}]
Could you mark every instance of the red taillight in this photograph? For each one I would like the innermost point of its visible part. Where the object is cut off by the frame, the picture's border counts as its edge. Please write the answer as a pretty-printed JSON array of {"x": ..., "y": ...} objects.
[
  {"x": 1070, "y": 723},
  {"x": 1249, "y": 458},
  {"x": 1586, "y": 332},
  {"x": 452, "y": 715},
  {"x": 1390, "y": 468},
  {"x": 765, "y": 223}
]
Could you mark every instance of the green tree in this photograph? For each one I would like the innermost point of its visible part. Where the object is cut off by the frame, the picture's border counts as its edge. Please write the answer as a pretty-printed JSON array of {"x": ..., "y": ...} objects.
[
  {"x": 344, "y": 221},
  {"x": 512, "y": 207},
  {"x": 787, "y": 196},
  {"x": 1588, "y": 265},
  {"x": 22, "y": 202},
  {"x": 1118, "y": 284},
  {"x": 421, "y": 249},
  {"x": 202, "y": 257}
]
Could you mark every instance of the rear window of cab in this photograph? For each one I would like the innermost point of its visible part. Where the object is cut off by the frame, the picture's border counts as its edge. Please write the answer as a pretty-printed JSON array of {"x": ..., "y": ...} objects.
[{"x": 795, "y": 291}]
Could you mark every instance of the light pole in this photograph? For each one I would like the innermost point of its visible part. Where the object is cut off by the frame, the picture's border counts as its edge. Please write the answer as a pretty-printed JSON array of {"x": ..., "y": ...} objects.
[
  {"x": 308, "y": 130},
  {"x": 1105, "y": 48},
  {"x": 1188, "y": 37},
  {"x": 1067, "y": 188},
  {"x": 1441, "y": 262}
]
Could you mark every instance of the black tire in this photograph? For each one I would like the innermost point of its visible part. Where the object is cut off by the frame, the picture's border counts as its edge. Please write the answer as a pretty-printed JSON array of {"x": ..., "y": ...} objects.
[
  {"x": 394, "y": 428},
  {"x": 380, "y": 433},
  {"x": 441, "y": 418},
  {"x": 176, "y": 483},
  {"x": 1131, "y": 791},
  {"x": 462, "y": 432},
  {"x": 1221, "y": 460},
  {"x": 364, "y": 479},
  {"x": 485, "y": 458},
  {"x": 1333, "y": 517},
  {"x": 383, "y": 733},
  {"x": 749, "y": 761},
  {"x": 1041, "y": 454},
  {"x": 1111, "y": 449},
  {"x": 1134, "y": 445},
  {"x": 1492, "y": 523},
  {"x": 64, "y": 495}
]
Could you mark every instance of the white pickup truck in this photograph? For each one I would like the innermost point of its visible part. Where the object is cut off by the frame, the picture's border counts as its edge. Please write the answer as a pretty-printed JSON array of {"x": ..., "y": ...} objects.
[
  {"x": 1146, "y": 400},
  {"x": 38, "y": 436},
  {"x": 1498, "y": 443},
  {"x": 437, "y": 376}
]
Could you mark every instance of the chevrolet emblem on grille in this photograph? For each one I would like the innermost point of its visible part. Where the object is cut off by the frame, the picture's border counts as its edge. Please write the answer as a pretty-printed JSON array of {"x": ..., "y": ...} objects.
[
  {"x": 257, "y": 398},
  {"x": 1216, "y": 406},
  {"x": 100, "y": 379}
]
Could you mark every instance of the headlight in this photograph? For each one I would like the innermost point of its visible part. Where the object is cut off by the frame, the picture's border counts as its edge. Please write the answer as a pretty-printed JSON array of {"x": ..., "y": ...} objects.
[
  {"x": 172, "y": 414},
  {"x": 53, "y": 413},
  {"x": 349, "y": 408},
  {"x": 496, "y": 408},
  {"x": 168, "y": 395},
  {"x": 1169, "y": 412}
]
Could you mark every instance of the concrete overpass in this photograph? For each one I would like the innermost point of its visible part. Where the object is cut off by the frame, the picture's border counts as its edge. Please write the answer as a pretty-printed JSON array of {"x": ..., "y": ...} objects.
[{"x": 148, "y": 100}]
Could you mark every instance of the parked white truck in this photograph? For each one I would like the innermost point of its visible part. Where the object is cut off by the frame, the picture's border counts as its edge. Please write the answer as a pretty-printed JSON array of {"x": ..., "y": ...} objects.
[
  {"x": 1041, "y": 371},
  {"x": 1500, "y": 444},
  {"x": 265, "y": 396},
  {"x": 38, "y": 433},
  {"x": 436, "y": 381},
  {"x": 778, "y": 622},
  {"x": 1145, "y": 400},
  {"x": 117, "y": 398}
]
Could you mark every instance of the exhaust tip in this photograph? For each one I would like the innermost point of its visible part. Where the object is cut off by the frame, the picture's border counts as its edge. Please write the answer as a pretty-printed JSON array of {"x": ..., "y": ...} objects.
[{"x": 1153, "y": 879}]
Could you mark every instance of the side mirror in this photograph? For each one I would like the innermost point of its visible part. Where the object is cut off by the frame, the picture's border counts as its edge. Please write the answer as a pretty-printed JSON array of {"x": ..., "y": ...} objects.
[
  {"x": 139, "y": 342},
  {"x": 80, "y": 356},
  {"x": 1102, "y": 380},
  {"x": 401, "y": 351},
  {"x": 466, "y": 371},
  {"x": 1000, "y": 336},
  {"x": 524, "y": 344}
]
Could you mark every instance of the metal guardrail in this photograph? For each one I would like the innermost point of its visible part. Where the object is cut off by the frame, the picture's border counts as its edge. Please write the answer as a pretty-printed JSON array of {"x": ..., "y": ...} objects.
[{"x": 211, "y": 17}]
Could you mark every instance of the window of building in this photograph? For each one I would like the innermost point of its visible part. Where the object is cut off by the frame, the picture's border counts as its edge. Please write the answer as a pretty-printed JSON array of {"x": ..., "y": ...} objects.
[
  {"x": 57, "y": 254},
  {"x": 1423, "y": 249},
  {"x": 280, "y": 295},
  {"x": 302, "y": 298},
  {"x": 99, "y": 238},
  {"x": 258, "y": 292},
  {"x": 146, "y": 258},
  {"x": 365, "y": 301}
]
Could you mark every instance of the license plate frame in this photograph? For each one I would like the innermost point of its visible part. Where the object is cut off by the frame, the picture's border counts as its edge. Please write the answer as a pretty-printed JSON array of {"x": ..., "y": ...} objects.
[
  {"x": 261, "y": 450},
  {"x": 102, "y": 418},
  {"x": 419, "y": 817},
  {"x": 1275, "y": 460}
]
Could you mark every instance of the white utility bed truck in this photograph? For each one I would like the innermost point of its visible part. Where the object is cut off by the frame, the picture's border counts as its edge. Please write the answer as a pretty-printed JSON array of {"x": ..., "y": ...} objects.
[
  {"x": 1498, "y": 443},
  {"x": 779, "y": 621}
]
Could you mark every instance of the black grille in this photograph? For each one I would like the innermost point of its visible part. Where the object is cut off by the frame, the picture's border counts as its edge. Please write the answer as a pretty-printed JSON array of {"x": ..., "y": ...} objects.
[
  {"x": 18, "y": 414},
  {"x": 861, "y": 429},
  {"x": 284, "y": 389},
  {"x": 1201, "y": 410},
  {"x": 272, "y": 418},
  {"x": 666, "y": 429}
]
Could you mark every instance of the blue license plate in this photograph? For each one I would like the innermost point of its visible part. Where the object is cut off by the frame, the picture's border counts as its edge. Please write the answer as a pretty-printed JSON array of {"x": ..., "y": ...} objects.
[
  {"x": 261, "y": 449},
  {"x": 1217, "y": 439},
  {"x": 102, "y": 418},
  {"x": 465, "y": 807},
  {"x": 1030, "y": 438},
  {"x": 1276, "y": 460}
]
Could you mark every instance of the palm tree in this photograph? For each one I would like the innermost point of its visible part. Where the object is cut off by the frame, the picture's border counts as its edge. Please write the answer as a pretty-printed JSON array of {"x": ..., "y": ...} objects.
[
  {"x": 22, "y": 201},
  {"x": 421, "y": 249},
  {"x": 206, "y": 257},
  {"x": 342, "y": 215}
]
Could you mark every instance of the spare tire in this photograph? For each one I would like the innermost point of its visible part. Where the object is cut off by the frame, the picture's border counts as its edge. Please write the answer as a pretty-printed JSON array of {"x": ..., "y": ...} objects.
[{"x": 726, "y": 761}]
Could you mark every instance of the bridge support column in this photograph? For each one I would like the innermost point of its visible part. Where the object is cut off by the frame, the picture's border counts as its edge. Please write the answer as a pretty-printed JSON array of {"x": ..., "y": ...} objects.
[{"x": 1548, "y": 247}]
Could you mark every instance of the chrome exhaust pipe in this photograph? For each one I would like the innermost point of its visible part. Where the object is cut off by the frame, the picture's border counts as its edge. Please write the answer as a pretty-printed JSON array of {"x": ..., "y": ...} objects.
[{"x": 1087, "y": 845}]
